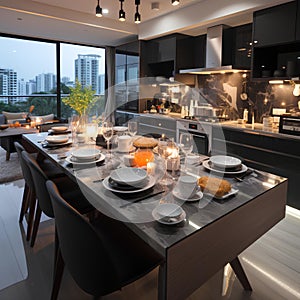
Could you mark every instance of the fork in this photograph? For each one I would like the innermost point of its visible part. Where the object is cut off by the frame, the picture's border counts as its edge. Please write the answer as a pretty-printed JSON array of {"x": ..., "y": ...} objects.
[{"x": 241, "y": 178}]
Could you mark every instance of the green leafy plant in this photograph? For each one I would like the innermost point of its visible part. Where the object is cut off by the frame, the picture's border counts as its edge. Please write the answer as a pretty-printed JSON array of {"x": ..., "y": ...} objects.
[{"x": 80, "y": 98}]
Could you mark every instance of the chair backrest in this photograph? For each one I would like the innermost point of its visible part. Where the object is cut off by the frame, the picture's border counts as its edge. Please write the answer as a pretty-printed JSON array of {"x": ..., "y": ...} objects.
[
  {"x": 39, "y": 180},
  {"x": 24, "y": 166},
  {"x": 85, "y": 255}
]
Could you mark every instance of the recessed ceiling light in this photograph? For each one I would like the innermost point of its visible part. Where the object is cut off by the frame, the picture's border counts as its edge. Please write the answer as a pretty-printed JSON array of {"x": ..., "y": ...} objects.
[
  {"x": 19, "y": 19},
  {"x": 105, "y": 11}
]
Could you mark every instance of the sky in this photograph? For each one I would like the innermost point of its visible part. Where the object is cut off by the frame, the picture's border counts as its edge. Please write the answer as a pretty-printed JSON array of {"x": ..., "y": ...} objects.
[{"x": 30, "y": 58}]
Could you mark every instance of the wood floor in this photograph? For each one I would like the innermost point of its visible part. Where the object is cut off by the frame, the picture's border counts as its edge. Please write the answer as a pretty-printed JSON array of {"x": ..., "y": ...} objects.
[{"x": 272, "y": 263}]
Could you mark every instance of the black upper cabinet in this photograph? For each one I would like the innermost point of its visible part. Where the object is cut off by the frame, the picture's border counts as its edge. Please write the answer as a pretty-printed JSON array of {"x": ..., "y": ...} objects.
[
  {"x": 275, "y": 25},
  {"x": 166, "y": 55},
  {"x": 298, "y": 22},
  {"x": 236, "y": 49}
]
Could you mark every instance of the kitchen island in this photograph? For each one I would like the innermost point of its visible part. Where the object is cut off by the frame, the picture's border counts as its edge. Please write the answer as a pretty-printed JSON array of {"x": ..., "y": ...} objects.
[{"x": 264, "y": 149}]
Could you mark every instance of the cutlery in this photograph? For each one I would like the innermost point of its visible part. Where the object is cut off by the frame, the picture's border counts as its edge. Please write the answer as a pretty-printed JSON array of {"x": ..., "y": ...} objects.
[
  {"x": 142, "y": 198},
  {"x": 241, "y": 178}
]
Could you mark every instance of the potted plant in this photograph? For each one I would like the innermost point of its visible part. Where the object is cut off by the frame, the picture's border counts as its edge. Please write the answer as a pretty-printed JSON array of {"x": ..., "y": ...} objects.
[{"x": 80, "y": 98}]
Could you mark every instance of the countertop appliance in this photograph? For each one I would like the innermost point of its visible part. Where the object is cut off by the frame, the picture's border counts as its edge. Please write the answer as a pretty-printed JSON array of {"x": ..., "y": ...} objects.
[{"x": 289, "y": 124}]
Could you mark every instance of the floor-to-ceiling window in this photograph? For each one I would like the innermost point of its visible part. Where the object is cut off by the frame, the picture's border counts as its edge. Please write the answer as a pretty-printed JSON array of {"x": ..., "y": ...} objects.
[
  {"x": 30, "y": 70},
  {"x": 27, "y": 75}
]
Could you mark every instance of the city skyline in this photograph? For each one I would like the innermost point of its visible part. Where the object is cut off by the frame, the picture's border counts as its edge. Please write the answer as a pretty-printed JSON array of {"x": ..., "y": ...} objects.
[{"x": 30, "y": 58}]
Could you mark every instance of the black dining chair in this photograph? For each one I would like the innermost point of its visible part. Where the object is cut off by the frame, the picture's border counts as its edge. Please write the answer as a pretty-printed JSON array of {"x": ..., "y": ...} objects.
[
  {"x": 29, "y": 198},
  {"x": 68, "y": 188},
  {"x": 102, "y": 256}
]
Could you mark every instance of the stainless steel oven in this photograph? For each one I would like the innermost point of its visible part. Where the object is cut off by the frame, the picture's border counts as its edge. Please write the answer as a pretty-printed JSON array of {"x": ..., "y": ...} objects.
[
  {"x": 201, "y": 134},
  {"x": 289, "y": 124}
]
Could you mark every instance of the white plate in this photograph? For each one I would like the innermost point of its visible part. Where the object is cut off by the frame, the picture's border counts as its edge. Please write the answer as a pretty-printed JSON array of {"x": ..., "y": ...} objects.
[
  {"x": 57, "y": 139},
  {"x": 195, "y": 197},
  {"x": 128, "y": 175},
  {"x": 230, "y": 193},
  {"x": 150, "y": 184},
  {"x": 208, "y": 167},
  {"x": 59, "y": 128},
  {"x": 69, "y": 142},
  {"x": 70, "y": 161},
  {"x": 224, "y": 161},
  {"x": 86, "y": 153},
  {"x": 164, "y": 220},
  {"x": 120, "y": 128}
]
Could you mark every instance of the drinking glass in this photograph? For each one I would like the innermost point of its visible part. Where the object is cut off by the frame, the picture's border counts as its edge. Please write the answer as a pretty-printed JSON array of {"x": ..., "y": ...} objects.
[
  {"x": 186, "y": 145},
  {"x": 107, "y": 131},
  {"x": 167, "y": 152},
  {"x": 132, "y": 128}
]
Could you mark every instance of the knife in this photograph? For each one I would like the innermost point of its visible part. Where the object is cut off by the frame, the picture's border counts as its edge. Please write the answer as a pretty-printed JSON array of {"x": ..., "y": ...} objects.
[{"x": 142, "y": 198}]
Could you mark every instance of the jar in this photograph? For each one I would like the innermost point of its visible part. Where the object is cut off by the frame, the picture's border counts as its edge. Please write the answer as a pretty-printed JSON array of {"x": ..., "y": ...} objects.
[{"x": 142, "y": 156}]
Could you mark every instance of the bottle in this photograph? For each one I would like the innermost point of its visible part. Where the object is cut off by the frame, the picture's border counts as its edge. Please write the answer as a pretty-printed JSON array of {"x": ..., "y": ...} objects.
[
  {"x": 245, "y": 115},
  {"x": 182, "y": 114}
]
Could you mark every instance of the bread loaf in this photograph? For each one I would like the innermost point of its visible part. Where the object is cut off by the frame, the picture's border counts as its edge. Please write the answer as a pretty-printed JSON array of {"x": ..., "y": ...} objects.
[{"x": 215, "y": 186}]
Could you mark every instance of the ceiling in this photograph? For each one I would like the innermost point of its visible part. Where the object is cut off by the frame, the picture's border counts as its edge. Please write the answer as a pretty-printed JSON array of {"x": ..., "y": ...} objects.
[
  {"x": 89, "y": 6},
  {"x": 75, "y": 21}
]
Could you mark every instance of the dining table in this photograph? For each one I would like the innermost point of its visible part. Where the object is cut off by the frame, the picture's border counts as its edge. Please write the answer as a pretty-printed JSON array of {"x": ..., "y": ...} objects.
[{"x": 213, "y": 232}]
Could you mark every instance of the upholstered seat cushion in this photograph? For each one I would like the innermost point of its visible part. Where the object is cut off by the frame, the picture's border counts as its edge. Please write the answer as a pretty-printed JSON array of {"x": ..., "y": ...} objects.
[
  {"x": 44, "y": 118},
  {"x": 12, "y": 117}
]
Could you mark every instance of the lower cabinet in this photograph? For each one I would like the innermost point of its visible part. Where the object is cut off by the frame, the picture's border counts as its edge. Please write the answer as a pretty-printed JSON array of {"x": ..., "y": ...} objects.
[
  {"x": 155, "y": 124},
  {"x": 280, "y": 156}
]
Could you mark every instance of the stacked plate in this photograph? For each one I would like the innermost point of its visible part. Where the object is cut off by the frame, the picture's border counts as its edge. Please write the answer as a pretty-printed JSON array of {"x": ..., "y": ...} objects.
[
  {"x": 128, "y": 180},
  {"x": 225, "y": 164},
  {"x": 168, "y": 213},
  {"x": 59, "y": 129},
  {"x": 56, "y": 140},
  {"x": 85, "y": 156}
]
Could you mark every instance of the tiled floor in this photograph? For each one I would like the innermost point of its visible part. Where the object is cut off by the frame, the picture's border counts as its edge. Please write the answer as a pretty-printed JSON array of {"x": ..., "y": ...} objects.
[{"x": 272, "y": 263}]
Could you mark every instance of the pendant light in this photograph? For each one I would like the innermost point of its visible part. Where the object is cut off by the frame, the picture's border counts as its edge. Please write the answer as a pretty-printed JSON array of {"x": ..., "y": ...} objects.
[
  {"x": 137, "y": 16},
  {"x": 122, "y": 12},
  {"x": 175, "y": 2},
  {"x": 98, "y": 10}
]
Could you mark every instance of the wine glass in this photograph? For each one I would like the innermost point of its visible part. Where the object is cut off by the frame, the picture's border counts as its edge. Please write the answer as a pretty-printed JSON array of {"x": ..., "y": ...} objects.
[
  {"x": 107, "y": 131},
  {"x": 132, "y": 127},
  {"x": 186, "y": 145}
]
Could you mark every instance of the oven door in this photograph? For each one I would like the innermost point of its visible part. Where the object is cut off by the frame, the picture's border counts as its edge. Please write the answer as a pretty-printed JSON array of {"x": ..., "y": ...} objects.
[{"x": 201, "y": 143}]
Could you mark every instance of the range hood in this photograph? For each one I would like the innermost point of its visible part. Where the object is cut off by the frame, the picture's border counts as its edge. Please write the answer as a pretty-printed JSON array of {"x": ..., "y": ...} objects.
[{"x": 213, "y": 64}]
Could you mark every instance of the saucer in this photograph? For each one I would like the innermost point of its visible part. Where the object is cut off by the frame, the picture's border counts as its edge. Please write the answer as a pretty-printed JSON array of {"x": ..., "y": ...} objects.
[{"x": 195, "y": 197}]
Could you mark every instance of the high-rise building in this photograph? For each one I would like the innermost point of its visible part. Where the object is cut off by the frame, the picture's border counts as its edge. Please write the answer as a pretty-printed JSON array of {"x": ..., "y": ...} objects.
[
  {"x": 30, "y": 87},
  {"x": 9, "y": 85},
  {"x": 87, "y": 70},
  {"x": 45, "y": 82},
  {"x": 101, "y": 84},
  {"x": 22, "y": 89}
]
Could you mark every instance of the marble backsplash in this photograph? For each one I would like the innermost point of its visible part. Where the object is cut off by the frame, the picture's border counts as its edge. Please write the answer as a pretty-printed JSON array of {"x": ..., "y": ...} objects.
[{"x": 229, "y": 90}]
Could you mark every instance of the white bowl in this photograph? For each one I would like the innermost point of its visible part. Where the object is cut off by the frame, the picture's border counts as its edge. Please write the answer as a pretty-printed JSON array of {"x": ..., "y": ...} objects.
[
  {"x": 59, "y": 128},
  {"x": 170, "y": 210},
  {"x": 224, "y": 161},
  {"x": 120, "y": 128},
  {"x": 86, "y": 153},
  {"x": 57, "y": 139},
  {"x": 127, "y": 175}
]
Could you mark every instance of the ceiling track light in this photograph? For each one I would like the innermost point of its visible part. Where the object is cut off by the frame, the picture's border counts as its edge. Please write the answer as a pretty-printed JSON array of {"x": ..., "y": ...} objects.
[
  {"x": 175, "y": 2},
  {"x": 122, "y": 12},
  {"x": 137, "y": 16},
  {"x": 98, "y": 10}
]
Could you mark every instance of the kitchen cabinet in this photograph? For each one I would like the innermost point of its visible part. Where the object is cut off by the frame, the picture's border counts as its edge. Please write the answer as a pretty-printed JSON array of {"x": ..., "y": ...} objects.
[
  {"x": 276, "y": 42},
  {"x": 275, "y": 25},
  {"x": 298, "y": 22},
  {"x": 264, "y": 152},
  {"x": 157, "y": 124},
  {"x": 236, "y": 47},
  {"x": 166, "y": 55},
  {"x": 122, "y": 117}
]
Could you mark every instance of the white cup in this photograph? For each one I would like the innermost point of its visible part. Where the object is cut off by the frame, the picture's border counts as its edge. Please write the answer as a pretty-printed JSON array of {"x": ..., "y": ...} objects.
[
  {"x": 124, "y": 143},
  {"x": 187, "y": 186},
  {"x": 128, "y": 160}
]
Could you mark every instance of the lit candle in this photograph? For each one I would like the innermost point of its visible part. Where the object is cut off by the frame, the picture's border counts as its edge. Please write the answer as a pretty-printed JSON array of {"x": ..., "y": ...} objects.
[
  {"x": 27, "y": 126},
  {"x": 151, "y": 168}
]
